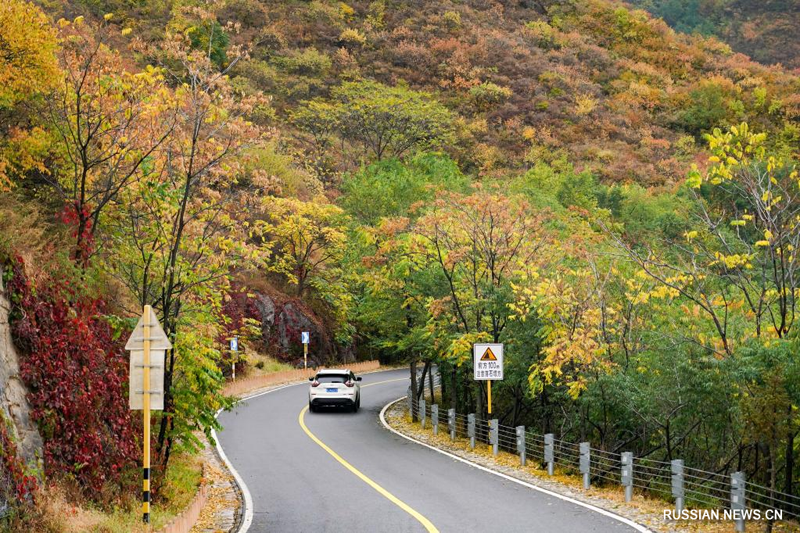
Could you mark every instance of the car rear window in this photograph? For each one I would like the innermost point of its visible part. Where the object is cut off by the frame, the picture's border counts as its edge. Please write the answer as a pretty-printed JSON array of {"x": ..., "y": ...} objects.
[{"x": 332, "y": 378}]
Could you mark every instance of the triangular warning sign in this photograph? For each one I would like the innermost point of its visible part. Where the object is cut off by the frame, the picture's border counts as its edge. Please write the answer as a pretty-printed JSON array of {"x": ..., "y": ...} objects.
[
  {"x": 158, "y": 339},
  {"x": 488, "y": 355}
]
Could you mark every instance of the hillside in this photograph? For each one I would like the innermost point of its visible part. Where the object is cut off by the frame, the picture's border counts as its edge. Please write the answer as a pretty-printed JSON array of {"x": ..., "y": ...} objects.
[
  {"x": 766, "y": 31},
  {"x": 607, "y": 89}
]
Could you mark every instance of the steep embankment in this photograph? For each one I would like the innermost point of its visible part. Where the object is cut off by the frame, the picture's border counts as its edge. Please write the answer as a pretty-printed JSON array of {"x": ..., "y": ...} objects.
[{"x": 18, "y": 431}]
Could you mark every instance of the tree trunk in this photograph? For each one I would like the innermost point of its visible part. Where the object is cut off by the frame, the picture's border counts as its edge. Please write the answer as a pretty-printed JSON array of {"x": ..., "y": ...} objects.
[
  {"x": 479, "y": 401},
  {"x": 443, "y": 386},
  {"x": 430, "y": 382},
  {"x": 773, "y": 478},
  {"x": 421, "y": 390},
  {"x": 788, "y": 486},
  {"x": 453, "y": 391},
  {"x": 412, "y": 367}
]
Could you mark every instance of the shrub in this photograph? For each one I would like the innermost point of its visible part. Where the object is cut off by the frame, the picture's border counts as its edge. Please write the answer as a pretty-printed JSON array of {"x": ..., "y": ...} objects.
[
  {"x": 352, "y": 36},
  {"x": 585, "y": 104},
  {"x": 76, "y": 370},
  {"x": 488, "y": 95},
  {"x": 453, "y": 19},
  {"x": 543, "y": 34},
  {"x": 309, "y": 62}
]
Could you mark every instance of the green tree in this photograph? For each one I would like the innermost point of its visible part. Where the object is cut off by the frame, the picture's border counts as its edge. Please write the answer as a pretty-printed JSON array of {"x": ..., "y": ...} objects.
[
  {"x": 391, "y": 188},
  {"x": 385, "y": 121}
]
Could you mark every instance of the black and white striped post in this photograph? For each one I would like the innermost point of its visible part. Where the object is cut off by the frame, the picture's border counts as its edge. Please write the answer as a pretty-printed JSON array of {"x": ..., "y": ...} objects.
[
  {"x": 146, "y": 400},
  {"x": 148, "y": 344}
]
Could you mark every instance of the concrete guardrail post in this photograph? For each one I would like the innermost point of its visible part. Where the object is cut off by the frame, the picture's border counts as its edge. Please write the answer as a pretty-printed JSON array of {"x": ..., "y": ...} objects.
[
  {"x": 738, "y": 503},
  {"x": 451, "y": 423},
  {"x": 549, "y": 452},
  {"x": 435, "y": 418},
  {"x": 521, "y": 444},
  {"x": 676, "y": 467},
  {"x": 585, "y": 463},
  {"x": 627, "y": 474},
  {"x": 471, "y": 429},
  {"x": 422, "y": 412},
  {"x": 493, "y": 435}
]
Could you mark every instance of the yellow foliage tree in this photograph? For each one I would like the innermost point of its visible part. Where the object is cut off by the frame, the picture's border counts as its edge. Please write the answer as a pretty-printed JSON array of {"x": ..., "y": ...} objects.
[{"x": 28, "y": 69}]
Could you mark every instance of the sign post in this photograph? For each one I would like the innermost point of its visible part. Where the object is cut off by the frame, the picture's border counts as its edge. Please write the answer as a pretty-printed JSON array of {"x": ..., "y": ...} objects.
[
  {"x": 488, "y": 366},
  {"x": 306, "y": 337},
  {"x": 148, "y": 345},
  {"x": 234, "y": 354}
]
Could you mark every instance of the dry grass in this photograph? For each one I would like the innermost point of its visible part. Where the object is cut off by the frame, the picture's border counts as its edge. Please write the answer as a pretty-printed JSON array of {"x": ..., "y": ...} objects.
[{"x": 58, "y": 513}]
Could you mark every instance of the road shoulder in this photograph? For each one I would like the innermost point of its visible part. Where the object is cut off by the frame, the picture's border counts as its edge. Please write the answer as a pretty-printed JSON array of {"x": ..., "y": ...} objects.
[{"x": 644, "y": 514}]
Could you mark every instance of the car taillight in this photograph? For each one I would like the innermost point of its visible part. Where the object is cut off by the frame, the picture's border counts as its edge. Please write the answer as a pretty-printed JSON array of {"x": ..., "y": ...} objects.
[
  {"x": 315, "y": 383},
  {"x": 349, "y": 383}
]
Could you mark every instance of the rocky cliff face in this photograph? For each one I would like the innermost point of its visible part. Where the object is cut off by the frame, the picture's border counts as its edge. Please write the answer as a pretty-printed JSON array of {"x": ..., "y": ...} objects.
[{"x": 13, "y": 401}]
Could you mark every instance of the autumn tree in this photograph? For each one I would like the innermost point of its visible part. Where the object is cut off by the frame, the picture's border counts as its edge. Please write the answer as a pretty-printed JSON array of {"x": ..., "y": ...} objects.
[
  {"x": 385, "y": 121},
  {"x": 28, "y": 70},
  {"x": 180, "y": 233},
  {"x": 306, "y": 240},
  {"x": 479, "y": 243},
  {"x": 397, "y": 281},
  {"x": 108, "y": 121},
  {"x": 737, "y": 265}
]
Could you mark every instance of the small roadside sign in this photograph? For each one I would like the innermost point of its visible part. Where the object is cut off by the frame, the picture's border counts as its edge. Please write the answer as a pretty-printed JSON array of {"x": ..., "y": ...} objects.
[
  {"x": 159, "y": 344},
  {"x": 235, "y": 344},
  {"x": 305, "y": 337},
  {"x": 488, "y": 362}
]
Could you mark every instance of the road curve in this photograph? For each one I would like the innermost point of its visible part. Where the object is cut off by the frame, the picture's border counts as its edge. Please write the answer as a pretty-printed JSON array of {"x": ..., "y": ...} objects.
[{"x": 345, "y": 472}]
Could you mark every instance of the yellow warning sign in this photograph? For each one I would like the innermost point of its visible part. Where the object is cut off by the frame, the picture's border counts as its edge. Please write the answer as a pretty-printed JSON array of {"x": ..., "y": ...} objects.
[{"x": 488, "y": 355}]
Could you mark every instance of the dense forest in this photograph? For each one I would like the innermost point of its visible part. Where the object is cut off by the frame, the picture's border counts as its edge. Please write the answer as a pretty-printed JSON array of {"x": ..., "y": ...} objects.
[{"x": 618, "y": 203}]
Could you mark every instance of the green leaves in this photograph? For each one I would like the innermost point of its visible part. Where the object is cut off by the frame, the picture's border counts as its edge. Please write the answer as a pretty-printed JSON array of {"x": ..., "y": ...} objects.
[{"x": 385, "y": 121}]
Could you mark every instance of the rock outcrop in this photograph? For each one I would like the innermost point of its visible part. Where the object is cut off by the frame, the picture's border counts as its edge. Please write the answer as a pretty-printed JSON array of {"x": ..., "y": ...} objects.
[
  {"x": 13, "y": 400},
  {"x": 282, "y": 322}
]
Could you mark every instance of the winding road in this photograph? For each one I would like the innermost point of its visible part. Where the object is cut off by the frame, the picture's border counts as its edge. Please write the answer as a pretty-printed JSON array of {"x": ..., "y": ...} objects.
[{"x": 340, "y": 471}]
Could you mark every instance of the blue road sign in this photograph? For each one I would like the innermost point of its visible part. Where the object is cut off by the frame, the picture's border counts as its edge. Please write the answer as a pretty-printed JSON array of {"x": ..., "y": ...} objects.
[
  {"x": 305, "y": 337},
  {"x": 235, "y": 344}
]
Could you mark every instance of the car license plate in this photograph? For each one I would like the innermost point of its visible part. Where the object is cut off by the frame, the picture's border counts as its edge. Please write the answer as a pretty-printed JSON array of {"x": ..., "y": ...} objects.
[{"x": 331, "y": 390}]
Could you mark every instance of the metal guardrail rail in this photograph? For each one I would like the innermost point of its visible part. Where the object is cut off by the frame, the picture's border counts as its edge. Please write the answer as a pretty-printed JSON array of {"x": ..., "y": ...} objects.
[{"x": 688, "y": 487}]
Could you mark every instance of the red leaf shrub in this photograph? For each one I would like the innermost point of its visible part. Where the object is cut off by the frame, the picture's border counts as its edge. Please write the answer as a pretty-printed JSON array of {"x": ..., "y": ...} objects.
[
  {"x": 76, "y": 372},
  {"x": 16, "y": 479}
]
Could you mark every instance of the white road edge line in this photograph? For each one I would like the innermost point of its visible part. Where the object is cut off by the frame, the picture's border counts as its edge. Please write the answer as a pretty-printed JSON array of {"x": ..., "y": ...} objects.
[
  {"x": 248, "y": 498},
  {"x": 637, "y": 527}
]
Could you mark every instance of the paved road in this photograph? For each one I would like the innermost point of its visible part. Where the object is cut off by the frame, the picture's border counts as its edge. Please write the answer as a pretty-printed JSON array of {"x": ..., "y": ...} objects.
[{"x": 299, "y": 486}]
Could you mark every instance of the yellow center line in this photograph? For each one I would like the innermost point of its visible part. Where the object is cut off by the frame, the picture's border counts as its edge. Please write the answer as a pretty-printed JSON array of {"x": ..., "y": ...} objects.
[{"x": 385, "y": 493}]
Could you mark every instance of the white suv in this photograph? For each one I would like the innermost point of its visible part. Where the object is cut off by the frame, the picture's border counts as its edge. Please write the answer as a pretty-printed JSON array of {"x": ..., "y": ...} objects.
[{"x": 334, "y": 387}]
